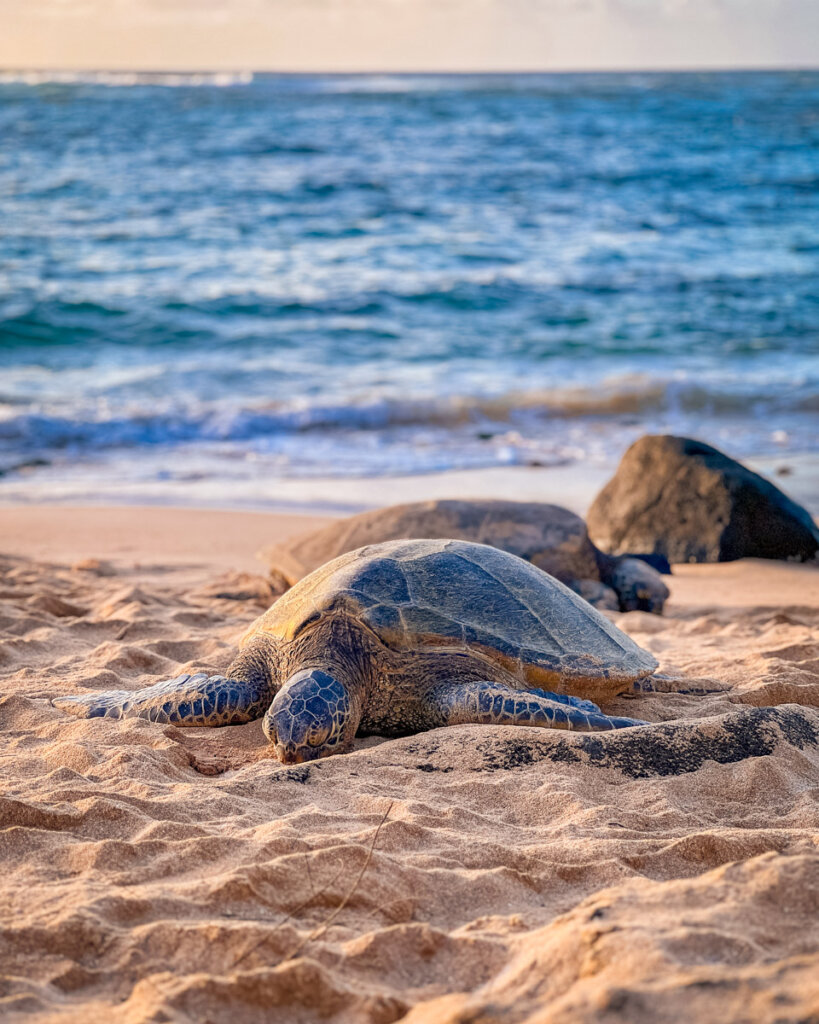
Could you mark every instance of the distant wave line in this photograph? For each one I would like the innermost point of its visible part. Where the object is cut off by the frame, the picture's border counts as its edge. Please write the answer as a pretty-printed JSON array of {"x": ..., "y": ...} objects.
[{"x": 121, "y": 79}]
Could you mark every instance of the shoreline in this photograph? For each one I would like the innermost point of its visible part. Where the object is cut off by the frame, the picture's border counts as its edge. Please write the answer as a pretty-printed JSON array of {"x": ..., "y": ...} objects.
[{"x": 573, "y": 485}]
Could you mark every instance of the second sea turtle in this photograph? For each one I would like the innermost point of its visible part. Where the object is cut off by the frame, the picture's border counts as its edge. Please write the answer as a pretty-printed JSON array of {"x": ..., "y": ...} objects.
[{"x": 548, "y": 536}]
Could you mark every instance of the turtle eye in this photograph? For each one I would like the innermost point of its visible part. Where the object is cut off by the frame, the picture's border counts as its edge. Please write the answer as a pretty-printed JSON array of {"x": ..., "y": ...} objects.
[{"x": 318, "y": 735}]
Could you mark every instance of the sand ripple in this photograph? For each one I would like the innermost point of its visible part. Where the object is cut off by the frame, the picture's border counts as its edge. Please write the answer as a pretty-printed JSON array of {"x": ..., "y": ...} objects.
[{"x": 463, "y": 875}]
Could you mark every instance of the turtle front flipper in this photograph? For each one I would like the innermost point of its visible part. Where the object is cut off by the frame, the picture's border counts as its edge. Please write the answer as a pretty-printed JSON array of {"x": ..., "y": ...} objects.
[
  {"x": 186, "y": 700},
  {"x": 485, "y": 703}
]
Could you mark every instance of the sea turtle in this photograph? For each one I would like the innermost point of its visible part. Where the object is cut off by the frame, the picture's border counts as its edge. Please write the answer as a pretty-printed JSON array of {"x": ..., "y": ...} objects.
[
  {"x": 548, "y": 536},
  {"x": 400, "y": 637}
]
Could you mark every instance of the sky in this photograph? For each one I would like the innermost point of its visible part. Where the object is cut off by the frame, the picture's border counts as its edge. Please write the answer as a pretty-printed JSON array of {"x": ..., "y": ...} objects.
[{"x": 393, "y": 35}]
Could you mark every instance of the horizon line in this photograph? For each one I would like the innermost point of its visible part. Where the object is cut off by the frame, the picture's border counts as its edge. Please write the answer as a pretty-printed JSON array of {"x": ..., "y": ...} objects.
[{"x": 643, "y": 70}]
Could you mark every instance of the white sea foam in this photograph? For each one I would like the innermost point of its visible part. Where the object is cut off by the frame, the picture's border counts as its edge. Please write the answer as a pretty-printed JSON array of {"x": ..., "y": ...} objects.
[{"x": 366, "y": 432}]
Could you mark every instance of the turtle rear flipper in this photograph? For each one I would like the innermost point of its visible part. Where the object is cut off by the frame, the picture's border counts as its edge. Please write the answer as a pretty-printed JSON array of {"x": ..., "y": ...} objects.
[{"x": 186, "y": 700}]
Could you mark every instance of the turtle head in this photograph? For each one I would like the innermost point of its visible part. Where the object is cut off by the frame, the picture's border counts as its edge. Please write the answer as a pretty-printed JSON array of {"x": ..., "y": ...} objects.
[{"x": 310, "y": 717}]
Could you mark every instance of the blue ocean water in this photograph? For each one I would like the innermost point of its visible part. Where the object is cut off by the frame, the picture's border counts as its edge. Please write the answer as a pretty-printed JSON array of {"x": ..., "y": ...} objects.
[{"x": 357, "y": 275}]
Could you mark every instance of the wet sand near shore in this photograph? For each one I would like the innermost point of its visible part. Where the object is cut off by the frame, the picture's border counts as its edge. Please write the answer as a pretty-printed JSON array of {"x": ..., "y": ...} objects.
[
  {"x": 152, "y": 873},
  {"x": 572, "y": 485}
]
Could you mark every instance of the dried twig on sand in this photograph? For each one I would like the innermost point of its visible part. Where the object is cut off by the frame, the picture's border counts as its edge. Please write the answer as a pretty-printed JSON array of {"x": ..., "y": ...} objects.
[{"x": 318, "y": 932}]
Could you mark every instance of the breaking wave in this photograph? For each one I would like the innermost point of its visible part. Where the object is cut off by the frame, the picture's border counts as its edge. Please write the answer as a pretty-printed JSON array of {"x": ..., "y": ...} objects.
[{"x": 533, "y": 413}]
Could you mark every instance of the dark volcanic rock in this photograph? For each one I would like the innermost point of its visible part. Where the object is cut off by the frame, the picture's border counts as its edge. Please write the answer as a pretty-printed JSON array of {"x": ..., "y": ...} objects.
[
  {"x": 659, "y": 749},
  {"x": 691, "y": 503}
]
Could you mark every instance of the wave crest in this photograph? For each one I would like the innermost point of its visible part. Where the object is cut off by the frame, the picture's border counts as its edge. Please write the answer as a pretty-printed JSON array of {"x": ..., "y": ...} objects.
[{"x": 530, "y": 412}]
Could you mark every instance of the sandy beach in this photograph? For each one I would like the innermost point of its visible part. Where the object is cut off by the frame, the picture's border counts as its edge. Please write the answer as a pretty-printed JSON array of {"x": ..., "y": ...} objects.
[{"x": 152, "y": 873}]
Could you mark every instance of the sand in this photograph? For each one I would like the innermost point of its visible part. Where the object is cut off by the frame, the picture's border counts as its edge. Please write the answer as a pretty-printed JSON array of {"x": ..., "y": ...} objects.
[{"x": 472, "y": 874}]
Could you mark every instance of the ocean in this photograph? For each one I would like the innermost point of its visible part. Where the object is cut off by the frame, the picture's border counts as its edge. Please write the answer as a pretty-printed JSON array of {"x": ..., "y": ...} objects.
[{"x": 212, "y": 283}]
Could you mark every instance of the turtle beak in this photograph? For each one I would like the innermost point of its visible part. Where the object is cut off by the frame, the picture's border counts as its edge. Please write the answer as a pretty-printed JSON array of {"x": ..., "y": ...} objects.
[{"x": 288, "y": 753}]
